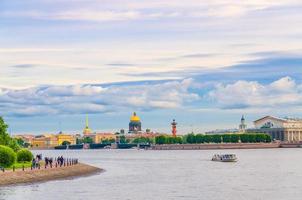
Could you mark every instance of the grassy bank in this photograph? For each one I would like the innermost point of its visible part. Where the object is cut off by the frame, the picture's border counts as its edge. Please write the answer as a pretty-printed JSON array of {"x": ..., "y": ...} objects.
[{"x": 19, "y": 165}]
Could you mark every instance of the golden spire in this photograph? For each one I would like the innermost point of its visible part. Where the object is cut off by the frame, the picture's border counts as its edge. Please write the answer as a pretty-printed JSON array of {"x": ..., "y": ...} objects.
[
  {"x": 87, "y": 130},
  {"x": 87, "y": 122}
]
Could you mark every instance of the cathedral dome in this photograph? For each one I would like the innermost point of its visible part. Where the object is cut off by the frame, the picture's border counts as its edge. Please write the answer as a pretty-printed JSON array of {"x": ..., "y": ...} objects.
[{"x": 135, "y": 118}]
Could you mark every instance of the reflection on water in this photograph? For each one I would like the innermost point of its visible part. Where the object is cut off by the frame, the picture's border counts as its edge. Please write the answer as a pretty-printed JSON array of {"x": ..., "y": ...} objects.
[{"x": 138, "y": 174}]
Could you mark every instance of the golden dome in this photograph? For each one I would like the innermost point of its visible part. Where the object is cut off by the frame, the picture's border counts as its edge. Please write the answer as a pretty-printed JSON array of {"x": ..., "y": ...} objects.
[
  {"x": 87, "y": 131},
  {"x": 135, "y": 118}
]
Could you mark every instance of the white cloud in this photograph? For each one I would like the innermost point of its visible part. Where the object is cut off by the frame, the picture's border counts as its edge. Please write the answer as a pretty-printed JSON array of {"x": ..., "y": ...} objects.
[
  {"x": 244, "y": 94},
  {"x": 95, "y": 99}
]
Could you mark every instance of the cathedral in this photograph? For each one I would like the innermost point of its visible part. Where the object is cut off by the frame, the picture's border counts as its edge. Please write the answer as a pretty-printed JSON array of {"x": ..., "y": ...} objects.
[{"x": 135, "y": 124}]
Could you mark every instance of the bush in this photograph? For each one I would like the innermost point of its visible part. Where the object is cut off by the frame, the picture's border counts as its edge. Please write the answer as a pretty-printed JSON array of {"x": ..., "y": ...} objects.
[
  {"x": 24, "y": 155},
  {"x": 7, "y": 156}
]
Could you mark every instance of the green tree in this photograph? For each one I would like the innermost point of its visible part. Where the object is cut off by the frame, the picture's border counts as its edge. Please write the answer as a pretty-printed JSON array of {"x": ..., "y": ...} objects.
[
  {"x": 142, "y": 140},
  {"x": 244, "y": 138},
  {"x": 66, "y": 143},
  {"x": 14, "y": 145},
  {"x": 252, "y": 138},
  {"x": 208, "y": 138},
  {"x": 160, "y": 139},
  {"x": 235, "y": 138},
  {"x": 179, "y": 140},
  {"x": 79, "y": 141},
  {"x": 4, "y": 137},
  {"x": 216, "y": 138},
  {"x": 87, "y": 140},
  {"x": 108, "y": 141},
  {"x": 191, "y": 139},
  {"x": 20, "y": 142},
  {"x": 226, "y": 138},
  {"x": 268, "y": 138},
  {"x": 199, "y": 138},
  {"x": 123, "y": 139},
  {"x": 7, "y": 156}
]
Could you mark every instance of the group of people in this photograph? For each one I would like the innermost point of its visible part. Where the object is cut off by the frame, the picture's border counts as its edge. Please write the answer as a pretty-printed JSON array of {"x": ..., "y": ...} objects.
[
  {"x": 59, "y": 162},
  {"x": 48, "y": 162},
  {"x": 36, "y": 161}
]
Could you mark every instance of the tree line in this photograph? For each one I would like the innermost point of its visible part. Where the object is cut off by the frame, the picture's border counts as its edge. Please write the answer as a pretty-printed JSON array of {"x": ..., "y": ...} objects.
[
  {"x": 191, "y": 139},
  {"x": 217, "y": 138}
]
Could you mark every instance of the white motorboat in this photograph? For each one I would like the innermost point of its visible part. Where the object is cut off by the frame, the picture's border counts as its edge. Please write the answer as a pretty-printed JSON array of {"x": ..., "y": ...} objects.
[{"x": 224, "y": 158}]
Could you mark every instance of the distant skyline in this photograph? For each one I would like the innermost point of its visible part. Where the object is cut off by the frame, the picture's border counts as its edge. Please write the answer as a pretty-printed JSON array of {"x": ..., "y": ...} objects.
[{"x": 202, "y": 63}]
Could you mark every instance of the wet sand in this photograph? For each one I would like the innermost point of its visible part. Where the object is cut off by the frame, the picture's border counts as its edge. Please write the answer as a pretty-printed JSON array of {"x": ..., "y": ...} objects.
[{"x": 33, "y": 176}]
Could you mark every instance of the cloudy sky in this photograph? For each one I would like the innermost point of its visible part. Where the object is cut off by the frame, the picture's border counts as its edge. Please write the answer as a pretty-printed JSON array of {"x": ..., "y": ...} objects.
[{"x": 204, "y": 63}]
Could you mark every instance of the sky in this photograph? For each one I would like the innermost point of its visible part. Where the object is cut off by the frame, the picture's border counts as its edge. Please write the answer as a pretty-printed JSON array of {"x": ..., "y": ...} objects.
[{"x": 203, "y": 63}]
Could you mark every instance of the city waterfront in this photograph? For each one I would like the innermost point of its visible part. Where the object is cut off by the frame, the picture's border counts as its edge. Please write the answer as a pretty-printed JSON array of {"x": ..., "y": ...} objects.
[{"x": 138, "y": 174}]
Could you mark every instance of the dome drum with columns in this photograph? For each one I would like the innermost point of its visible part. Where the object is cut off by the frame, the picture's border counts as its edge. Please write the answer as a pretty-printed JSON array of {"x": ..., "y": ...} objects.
[{"x": 135, "y": 124}]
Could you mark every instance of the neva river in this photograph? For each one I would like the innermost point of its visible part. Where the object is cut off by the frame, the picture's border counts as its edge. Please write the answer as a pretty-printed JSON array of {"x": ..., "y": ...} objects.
[{"x": 171, "y": 175}]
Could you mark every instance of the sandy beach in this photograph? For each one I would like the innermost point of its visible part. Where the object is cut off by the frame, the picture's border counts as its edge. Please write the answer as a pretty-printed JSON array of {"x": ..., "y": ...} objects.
[{"x": 33, "y": 176}]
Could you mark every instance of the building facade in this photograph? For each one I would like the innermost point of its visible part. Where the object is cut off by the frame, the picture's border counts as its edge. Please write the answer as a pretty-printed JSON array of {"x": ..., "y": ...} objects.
[
  {"x": 51, "y": 140},
  {"x": 71, "y": 139},
  {"x": 284, "y": 129},
  {"x": 44, "y": 141}
]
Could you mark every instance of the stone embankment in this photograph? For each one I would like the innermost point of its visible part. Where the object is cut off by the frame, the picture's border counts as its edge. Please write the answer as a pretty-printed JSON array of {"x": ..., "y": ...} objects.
[
  {"x": 33, "y": 176},
  {"x": 215, "y": 146}
]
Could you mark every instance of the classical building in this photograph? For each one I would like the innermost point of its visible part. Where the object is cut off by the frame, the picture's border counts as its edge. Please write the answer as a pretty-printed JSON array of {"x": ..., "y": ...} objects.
[
  {"x": 45, "y": 141},
  {"x": 52, "y": 140},
  {"x": 135, "y": 124},
  {"x": 284, "y": 129},
  {"x": 242, "y": 126}
]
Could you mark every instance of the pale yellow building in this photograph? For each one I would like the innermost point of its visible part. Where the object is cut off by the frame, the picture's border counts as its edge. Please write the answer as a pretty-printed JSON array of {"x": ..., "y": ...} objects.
[
  {"x": 51, "y": 140},
  {"x": 45, "y": 141},
  {"x": 71, "y": 139}
]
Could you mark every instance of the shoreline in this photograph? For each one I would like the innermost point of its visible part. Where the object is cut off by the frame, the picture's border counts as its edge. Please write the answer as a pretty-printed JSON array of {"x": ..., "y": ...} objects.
[
  {"x": 209, "y": 146},
  {"x": 28, "y": 176},
  {"x": 217, "y": 146}
]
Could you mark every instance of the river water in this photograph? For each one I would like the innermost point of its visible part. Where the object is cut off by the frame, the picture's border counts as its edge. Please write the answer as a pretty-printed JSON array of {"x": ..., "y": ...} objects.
[{"x": 171, "y": 175}]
